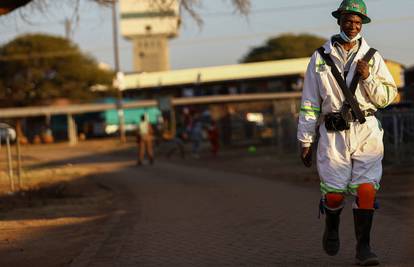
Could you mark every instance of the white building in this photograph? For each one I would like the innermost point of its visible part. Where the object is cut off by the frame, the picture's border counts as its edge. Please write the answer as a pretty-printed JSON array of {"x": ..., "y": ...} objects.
[{"x": 149, "y": 24}]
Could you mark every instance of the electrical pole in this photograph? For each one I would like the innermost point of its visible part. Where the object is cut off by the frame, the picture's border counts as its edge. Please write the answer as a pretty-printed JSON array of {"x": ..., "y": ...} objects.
[
  {"x": 121, "y": 117},
  {"x": 68, "y": 29}
]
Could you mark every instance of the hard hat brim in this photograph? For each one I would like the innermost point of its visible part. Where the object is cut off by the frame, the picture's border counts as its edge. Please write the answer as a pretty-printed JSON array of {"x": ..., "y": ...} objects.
[{"x": 337, "y": 14}]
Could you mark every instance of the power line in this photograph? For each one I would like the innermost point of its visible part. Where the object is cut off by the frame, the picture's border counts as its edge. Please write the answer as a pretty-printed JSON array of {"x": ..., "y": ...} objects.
[
  {"x": 250, "y": 36},
  {"x": 262, "y": 34},
  {"x": 52, "y": 23},
  {"x": 274, "y": 10},
  {"x": 216, "y": 39},
  {"x": 253, "y": 12},
  {"x": 225, "y": 13}
]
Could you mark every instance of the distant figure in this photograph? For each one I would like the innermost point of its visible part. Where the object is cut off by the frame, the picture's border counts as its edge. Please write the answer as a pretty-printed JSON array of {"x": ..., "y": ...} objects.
[
  {"x": 177, "y": 142},
  {"x": 196, "y": 136},
  {"x": 144, "y": 141},
  {"x": 187, "y": 119},
  {"x": 226, "y": 127},
  {"x": 214, "y": 138}
]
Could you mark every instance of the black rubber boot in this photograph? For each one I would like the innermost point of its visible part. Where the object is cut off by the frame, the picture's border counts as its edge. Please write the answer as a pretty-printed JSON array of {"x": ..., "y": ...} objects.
[
  {"x": 330, "y": 240},
  {"x": 363, "y": 223}
]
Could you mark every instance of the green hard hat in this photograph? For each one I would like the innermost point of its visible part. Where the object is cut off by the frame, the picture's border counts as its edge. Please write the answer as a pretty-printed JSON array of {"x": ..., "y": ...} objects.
[{"x": 357, "y": 7}]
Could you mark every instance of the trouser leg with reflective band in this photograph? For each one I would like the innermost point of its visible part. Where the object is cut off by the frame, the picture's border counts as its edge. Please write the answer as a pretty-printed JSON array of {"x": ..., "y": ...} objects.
[{"x": 347, "y": 159}]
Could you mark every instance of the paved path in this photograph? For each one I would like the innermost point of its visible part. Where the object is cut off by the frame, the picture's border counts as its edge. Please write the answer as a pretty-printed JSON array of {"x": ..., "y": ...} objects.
[{"x": 183, "y": 216}]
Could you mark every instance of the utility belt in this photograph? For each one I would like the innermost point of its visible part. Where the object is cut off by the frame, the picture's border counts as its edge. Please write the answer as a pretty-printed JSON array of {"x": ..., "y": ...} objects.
[{"x": 340, "y": 121}]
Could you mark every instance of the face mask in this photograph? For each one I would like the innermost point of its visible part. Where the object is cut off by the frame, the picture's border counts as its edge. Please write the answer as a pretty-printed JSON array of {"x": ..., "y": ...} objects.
[{"x": 347, "y": 39}]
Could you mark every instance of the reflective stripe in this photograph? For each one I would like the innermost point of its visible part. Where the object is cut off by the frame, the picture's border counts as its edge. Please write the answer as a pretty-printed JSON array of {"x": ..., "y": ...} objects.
[
  {"x": 388, "y": 93},
  {"x": 310, "y": 108},
  {"x": 327, "y": 189},
  {"x": 310, "y": 115},
  {"x": 387, "y": 89},
  {"x": 321, "y": 65},
  {"x": 310, "y": 111},
  {"x": 352, "y": 188}
]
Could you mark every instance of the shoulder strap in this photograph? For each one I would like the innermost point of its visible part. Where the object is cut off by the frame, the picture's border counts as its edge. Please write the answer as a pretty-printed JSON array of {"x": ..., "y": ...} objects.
[
  {"x": 349, "y": 96},
  {"x": 368, "y": 56},
  {"x": 355, "y": 80}
]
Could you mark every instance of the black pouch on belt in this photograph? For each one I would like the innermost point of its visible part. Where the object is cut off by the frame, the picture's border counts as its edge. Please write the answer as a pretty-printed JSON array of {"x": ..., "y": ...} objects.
[{"x": 335, "y": 122}]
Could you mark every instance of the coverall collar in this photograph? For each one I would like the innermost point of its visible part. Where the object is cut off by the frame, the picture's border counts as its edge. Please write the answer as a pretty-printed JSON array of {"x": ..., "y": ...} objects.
[
  {"x": 329, "y": 49},
  {"x": 363, "y": 49}
]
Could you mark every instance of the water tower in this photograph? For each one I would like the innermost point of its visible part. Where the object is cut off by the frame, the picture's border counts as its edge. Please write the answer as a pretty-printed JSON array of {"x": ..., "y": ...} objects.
[{"x": 149, "y": 24}]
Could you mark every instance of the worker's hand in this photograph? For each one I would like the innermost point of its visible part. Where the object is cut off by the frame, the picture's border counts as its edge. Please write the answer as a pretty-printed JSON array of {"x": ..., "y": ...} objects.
[
  {"x": 363, "y": 69},
  {"x": 306, "y": 156}
]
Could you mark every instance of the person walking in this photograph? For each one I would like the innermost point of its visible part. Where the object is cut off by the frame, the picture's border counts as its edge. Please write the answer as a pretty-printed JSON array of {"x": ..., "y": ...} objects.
[
  {"x": 196, "y": 135},
  {"x": 177, "y": 142},
  {"x": 144, "y": 141},
  {"x": 214, "y": 138},
  {"x": 345, "y": 83}
]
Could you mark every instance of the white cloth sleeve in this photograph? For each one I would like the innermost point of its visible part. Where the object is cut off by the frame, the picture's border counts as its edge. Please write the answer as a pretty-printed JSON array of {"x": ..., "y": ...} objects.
[
  {"x": 379, "y": 86},
  {"x": 310, "y": 104}
]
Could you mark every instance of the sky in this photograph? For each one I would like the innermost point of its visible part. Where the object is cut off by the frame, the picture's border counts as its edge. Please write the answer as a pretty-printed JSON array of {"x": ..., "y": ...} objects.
[{"x": 225, "y": 36}]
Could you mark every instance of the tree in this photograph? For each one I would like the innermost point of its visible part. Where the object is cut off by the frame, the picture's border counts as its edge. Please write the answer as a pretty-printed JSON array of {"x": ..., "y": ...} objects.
[
  {"x": 6, "y": 6},
  {"x": 37, "y": 68},
  {"x": 285, "y": 46}
]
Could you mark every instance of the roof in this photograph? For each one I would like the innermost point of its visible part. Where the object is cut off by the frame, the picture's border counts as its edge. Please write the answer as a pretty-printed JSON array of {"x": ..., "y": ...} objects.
[
  {"x": 264, "y": 69},
  {"x": 395, "y": 62}
]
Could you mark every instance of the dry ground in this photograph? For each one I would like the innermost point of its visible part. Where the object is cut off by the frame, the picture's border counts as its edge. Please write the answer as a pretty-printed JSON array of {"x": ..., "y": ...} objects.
[
  {"x": 59, "y": 205},
  {"x": 68, "y": 193}
]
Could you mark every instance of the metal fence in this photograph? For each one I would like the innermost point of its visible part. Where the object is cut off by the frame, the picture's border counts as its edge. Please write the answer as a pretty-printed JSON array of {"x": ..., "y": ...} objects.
[
  {"x": 7, "y": 135},
  {"x": 398, "y": 135},
  {"x": 280, "y": 125},
  {"x": 276, "y": 127}
]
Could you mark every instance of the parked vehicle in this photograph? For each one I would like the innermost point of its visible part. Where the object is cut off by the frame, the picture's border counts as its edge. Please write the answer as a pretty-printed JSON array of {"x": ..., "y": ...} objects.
[{"x": 6, "y": 131}]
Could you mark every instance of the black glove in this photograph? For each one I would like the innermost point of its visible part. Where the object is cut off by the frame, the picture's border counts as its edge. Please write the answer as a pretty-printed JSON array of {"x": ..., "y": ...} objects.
[{"x": 306, "y": 156}]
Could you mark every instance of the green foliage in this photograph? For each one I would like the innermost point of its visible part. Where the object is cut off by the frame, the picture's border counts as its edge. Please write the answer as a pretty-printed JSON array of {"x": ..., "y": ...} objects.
[
  {"x": 285, "y": 46},
  {"x": 37, "y": 68}
]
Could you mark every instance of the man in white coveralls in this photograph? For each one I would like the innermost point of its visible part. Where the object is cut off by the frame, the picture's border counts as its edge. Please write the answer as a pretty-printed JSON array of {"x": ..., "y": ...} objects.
[{"x": 345, "y": 83}]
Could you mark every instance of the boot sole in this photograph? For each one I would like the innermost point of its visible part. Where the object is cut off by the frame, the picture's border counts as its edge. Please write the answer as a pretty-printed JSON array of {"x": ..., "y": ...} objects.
[
  {"x": 329, "y": 251},
  {"x": 330, "y": 246},
  {"x": 367, "y": 262}
]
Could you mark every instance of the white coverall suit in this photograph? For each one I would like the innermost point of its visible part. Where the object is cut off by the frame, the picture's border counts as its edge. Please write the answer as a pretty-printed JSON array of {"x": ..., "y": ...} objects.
[{"x": 345, "y": 159}]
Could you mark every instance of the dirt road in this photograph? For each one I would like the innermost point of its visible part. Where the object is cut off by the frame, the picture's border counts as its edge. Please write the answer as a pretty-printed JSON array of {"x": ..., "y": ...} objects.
[{"x": 196, "y": 213}]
